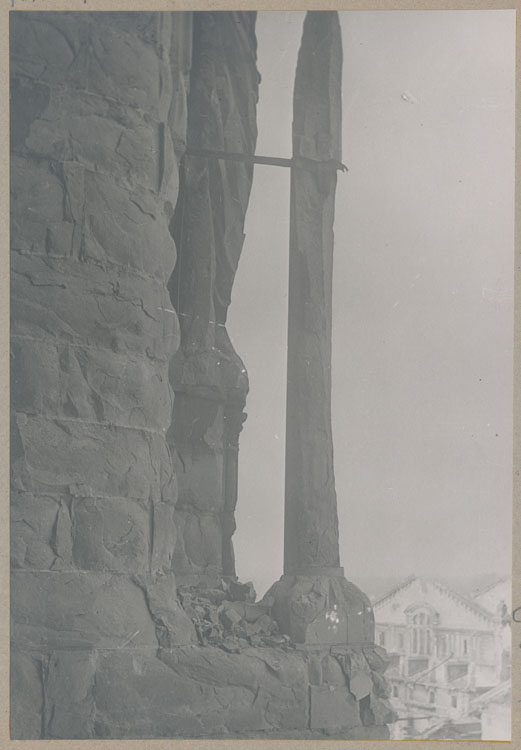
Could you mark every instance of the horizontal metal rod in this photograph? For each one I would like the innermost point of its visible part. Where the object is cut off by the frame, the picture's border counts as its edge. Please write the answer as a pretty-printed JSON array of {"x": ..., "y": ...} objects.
[
  {"x": 250, "y": 158},
  {"x": 299, "y": 162}
]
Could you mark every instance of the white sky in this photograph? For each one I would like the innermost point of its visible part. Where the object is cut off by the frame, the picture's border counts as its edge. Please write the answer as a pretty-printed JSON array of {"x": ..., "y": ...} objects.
[{"x": 423, "y": 297}]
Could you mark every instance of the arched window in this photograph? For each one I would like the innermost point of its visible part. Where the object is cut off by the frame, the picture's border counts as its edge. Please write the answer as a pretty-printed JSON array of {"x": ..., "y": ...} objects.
[
  {"x": 381, "y": 639},
  {"x": 421, "y": 634},
  {"x": 421, "y": 621}
]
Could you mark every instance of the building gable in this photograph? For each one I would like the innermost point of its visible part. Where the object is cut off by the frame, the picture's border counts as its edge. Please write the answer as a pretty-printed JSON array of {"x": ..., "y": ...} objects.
[{"x": 453, "y": 610}]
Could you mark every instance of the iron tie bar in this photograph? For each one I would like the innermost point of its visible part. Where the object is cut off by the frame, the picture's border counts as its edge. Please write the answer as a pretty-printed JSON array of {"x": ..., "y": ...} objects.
[{"x": 297, "y": 162}]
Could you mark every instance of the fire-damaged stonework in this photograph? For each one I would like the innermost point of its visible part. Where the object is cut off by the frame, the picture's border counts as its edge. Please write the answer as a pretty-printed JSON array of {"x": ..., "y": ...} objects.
[{"x": 127, "y": 398}]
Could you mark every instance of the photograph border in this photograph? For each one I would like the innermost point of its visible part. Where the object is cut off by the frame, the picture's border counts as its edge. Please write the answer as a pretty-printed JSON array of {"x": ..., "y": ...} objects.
[{"x": 180, "y": 5}]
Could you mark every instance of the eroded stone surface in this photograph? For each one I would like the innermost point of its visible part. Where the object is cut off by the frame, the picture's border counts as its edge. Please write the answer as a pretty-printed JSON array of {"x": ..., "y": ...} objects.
[
  {"x": 78, "y": 609},
  {"x": 98, "y": 124},
  {"x": 188, "y": 691},
  {"x": 208, "y": 376},
  {"x": 67, "y": 687},
  {"x": 332, "y": 708},
  {"x": 323, "y": 610},
  {"x": 102, "y": 513},
  {"x": 26, "y": 695}
]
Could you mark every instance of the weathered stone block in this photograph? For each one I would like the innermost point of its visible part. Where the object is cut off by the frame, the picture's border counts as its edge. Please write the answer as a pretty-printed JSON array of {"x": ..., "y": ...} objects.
[
  {"x": 78, "y": 610},
  {"x": 276, "y": 680},
  {"x": 144, "y": 25},
  {"x": 51, "y": 47},
  {"x": 139, "y": 226},
  {"x": 64, "y": 380},
  {"x": 332, "y": 672},
  {"x": 81, "y": 304},
  {"x": 26, "y": 695},
  {"x": 201, "y": 482},
  {"x": 68, "y": 692},
  {"x": 333, "y": 708},
  {"x": 200, "y": 418},
  {"x": 98, "y": 136},
  {"x": 33, "y": 524},
  {"x": 28, "y": 100},
  {"x": 37, "y": 199},
  {"x": 124, "y": 68},
  {"x": 138, "y": 696},
  {"x": 110, "y": 534},
  {"x": 199, "y": 541},
  {"x": 356, "y": 669},
  {"x": 34, "y": 230},
  {"x": 173, "y": 626},
  {"x": 90, "y": 460}
]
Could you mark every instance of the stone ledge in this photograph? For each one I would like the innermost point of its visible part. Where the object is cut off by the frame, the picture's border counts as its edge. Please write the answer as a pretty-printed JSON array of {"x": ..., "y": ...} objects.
[{"x": 184, "y": 692}]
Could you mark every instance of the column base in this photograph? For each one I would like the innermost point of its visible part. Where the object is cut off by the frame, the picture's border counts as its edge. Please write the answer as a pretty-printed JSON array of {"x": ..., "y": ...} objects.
[{"x": 319, "y": 607}]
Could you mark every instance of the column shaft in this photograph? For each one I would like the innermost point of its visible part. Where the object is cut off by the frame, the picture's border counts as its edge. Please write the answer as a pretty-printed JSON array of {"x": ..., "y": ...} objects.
[{"x": 311, "y": 524}]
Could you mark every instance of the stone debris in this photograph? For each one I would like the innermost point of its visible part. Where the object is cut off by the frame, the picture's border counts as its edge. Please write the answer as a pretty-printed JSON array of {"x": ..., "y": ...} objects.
[
  {"x": 242, "y": 592},
  {"x": 229, "y": 617}
]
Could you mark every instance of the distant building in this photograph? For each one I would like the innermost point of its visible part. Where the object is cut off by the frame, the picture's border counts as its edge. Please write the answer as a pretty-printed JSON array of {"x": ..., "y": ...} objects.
[
  {"x": 496, "y": 714},
  {"x": 450, "y": 659}
]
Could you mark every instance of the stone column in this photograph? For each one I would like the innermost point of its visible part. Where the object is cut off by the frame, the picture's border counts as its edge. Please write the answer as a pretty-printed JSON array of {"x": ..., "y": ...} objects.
[
  {"x": 207, "y": 375},
  {"x": 311, "y": 523},
  {"x": 314, "y": 603}
]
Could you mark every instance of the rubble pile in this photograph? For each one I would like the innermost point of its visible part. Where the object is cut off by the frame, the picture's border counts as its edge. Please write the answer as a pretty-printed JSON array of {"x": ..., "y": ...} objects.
[{"x": 228, "y": 616}]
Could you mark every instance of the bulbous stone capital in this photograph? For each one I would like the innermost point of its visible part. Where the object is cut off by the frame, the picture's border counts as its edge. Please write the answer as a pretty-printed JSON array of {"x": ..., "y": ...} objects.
[{"x": 322, "y": 610}]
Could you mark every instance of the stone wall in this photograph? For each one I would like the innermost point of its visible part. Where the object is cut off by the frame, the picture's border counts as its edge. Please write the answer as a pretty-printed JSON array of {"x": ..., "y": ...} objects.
[
  {"x": 208, "y": 377},
  {"x": 98, "y": 116},
  {"x": 105, "y": 643}
]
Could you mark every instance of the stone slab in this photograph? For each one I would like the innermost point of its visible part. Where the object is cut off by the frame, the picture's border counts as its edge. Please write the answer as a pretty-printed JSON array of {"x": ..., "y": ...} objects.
[
  {"x": 60, "y": 379},
  {"x": 332, "y": 707},
  {"x": 196, "y": 692},
  {"x": 90, "y": 460},
  {"x": 25, "y": 720},
  {"x": 78, "y": 610}
]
